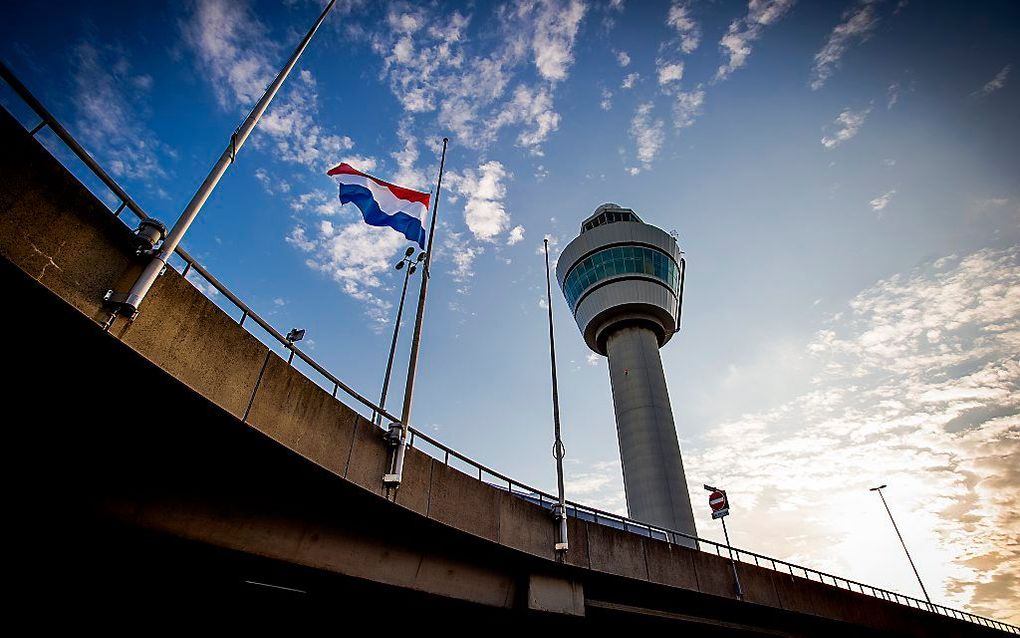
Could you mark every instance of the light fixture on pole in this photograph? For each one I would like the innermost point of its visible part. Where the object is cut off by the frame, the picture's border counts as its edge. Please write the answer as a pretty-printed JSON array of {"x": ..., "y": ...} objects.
[
  {"x": 900, "y": 536},
  {"x": 412, "y": 265},
  {"x": 398, "y": 434},
  {"x": 295, "y": 335}
]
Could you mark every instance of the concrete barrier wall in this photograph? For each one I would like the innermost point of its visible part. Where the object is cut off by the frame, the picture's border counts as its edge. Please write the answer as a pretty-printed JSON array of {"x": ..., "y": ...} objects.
[{"x": 56, "y": 231}]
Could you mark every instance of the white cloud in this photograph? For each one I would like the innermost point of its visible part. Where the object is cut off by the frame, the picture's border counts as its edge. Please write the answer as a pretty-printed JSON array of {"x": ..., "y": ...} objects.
[
  {"x": 428, "y": 62},
  {"x": 230, "y": 44},
  {"x": 879, "y": 203},
  {"x": 299, "y": 239},
  {"x": 323, "y": 203},
  {"x": 416, "y": 59},
  {"x": 736, "y": 43},
  {"x": 845, "y": 127},
  {"x": 484, "y": 211},
  {"x": 554, "y": 247},
  {"x": 233, "y": 52},
  {"x": 592, "y": 359},
  {"x": 628, "y": 82},
  {"x": 607, "y": 100},
  {"x": 622, "y": 58},
  {"x": 555, "y": 28},
  {"x": 531, "y": 108},
  {"x": 199, "y": 282},
  {"x": 291, "y": 125},
  {"x": 463, "y": 257},
  {"x": 669, "y": 72},
  {"x": 669, "y": 67},
  {"x": 917, "y": 385},
  {"x": 994, "y": 84},
  {"x": 687, "y": 107},
  {"x": 270, "y": 183},
  {"x": 108, "y": 116},
  {"x": 857, "y": 25},
  {"x": 408, "y": 174},
  {"x": 598, "y": 485},
  {"x": 516, "y": 235},
  {"x": 893, "y": 94},
  {"x": 647, "y": 134},
  {"x": 679, "y": 17},
  {"x": 361, "y": 162},
  {"x": 354, "y": 255}
]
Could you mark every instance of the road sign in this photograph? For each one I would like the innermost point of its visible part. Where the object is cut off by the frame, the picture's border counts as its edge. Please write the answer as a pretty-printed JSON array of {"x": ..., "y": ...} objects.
[{"x": 718, "y": 502}]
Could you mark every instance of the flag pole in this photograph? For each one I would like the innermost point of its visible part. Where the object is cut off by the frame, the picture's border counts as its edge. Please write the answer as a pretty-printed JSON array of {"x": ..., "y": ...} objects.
[
  {"x": 399, "y": 441},
  {"x": 128, "y": 304},
  {"x": 560, "y": 509}
]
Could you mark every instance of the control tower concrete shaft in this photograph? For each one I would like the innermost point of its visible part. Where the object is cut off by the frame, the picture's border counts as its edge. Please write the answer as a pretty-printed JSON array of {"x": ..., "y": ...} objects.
[{"x": 622, "y": 280}]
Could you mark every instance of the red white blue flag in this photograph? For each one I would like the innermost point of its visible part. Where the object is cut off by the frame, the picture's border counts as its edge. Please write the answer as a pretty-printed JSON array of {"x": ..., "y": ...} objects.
[{"x": 382, "y": 203}]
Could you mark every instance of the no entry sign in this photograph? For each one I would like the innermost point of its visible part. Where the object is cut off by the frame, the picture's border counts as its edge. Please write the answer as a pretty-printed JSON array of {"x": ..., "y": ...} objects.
[{"x": 719, "y": 504}]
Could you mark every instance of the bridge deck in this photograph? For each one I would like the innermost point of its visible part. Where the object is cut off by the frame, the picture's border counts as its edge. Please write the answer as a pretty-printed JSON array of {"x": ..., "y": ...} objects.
[{"x": 248, "y": 467}]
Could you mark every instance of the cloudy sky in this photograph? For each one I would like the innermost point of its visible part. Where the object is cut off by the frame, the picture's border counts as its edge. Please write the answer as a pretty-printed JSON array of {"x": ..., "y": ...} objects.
[{"x": 842, "y": 175}]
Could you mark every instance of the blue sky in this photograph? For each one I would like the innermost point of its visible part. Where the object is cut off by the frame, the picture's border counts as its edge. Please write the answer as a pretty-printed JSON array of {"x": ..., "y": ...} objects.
[{"x": 842, "y": 176}]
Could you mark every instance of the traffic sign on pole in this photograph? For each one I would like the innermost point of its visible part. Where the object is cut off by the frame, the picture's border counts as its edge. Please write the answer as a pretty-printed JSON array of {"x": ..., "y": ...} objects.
[
  {"x": 719, "y": 503},
  {"x": 721, "y": 507}
]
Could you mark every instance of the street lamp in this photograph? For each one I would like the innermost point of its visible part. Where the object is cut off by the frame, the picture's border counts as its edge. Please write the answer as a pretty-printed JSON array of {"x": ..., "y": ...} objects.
[
  {"x": 914, "y": 567},
  {"x": 412, "y": 265},
  {"x": 295, "y": 335}
]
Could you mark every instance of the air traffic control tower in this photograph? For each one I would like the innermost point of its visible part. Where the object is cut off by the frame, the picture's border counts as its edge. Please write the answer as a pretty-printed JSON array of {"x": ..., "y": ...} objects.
[{"x": 623, "y": 280}]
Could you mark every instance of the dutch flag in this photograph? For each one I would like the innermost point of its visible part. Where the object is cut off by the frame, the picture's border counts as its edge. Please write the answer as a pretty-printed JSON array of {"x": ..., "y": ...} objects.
[{"x": 382, "y": 203}]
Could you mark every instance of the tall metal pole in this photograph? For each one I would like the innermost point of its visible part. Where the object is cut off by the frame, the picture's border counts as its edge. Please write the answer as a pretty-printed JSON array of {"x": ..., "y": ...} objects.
[
  {"x": 393, "y": 478},
  {"x": 558, "y": 450},
  {"x": 393, "y": 344},
  {"x": 912, "y": 566},
  {"x": 141, "y": 287},
  {"x": 733, "y": 563}
]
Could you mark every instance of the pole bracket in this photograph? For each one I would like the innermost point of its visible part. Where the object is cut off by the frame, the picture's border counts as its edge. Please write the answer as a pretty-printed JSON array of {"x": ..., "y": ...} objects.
[{"x": 394, "y": 435}]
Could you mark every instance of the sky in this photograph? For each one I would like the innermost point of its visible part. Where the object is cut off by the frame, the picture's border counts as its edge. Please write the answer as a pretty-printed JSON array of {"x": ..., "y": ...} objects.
[{"x": 843, "y": 177}]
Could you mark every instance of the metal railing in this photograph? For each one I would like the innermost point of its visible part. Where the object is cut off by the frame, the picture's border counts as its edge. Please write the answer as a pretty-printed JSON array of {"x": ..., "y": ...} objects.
[
  {"x": 190, "y": 262},
  {"x": 446, "y": 453},
  {"x": 581, "y": 511}
]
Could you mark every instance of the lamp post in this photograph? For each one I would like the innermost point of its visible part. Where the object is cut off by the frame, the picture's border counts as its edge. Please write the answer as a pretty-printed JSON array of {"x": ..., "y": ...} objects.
[
  {"x": 412, "y": 265},
  {"x": 914, "y": 567}
]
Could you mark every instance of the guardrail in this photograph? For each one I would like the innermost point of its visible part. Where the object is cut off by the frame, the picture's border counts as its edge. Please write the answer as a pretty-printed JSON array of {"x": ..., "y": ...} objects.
[
  {"x": 446, "y": 453},
  {"x": 190, "y": 262}
]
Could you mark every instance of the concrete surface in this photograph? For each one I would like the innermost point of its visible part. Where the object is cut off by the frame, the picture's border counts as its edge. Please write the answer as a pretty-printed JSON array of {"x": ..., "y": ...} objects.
[
  {"x": 653, "y": 472},
  {"x": 298, "y": 484}
]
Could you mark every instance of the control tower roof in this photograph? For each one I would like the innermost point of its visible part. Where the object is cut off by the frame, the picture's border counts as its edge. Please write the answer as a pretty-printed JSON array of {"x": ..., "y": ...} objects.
[{"x": 609, "y": 213}]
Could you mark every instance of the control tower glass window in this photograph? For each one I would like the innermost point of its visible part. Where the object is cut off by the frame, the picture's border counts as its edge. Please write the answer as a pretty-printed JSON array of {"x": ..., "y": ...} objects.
[
  {"x": 608, "y": 217},
  {"x": 615, "y": 262}
]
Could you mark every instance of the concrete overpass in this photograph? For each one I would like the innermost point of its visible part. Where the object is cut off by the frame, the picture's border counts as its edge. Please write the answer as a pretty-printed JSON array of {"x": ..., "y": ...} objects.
[{"x": 179, "y": 464}]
